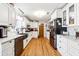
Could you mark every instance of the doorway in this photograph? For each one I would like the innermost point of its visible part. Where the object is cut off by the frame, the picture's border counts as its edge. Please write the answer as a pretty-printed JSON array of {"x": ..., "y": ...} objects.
[{"x": 41, "y": 30}]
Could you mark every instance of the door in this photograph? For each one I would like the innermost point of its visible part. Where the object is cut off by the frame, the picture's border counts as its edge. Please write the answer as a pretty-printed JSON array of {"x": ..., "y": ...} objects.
[{"x": 41, "y": 30}]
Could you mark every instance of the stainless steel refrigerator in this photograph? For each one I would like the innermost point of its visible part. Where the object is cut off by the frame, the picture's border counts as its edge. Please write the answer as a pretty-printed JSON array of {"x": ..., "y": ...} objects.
[{"x": 55, "y": 30}]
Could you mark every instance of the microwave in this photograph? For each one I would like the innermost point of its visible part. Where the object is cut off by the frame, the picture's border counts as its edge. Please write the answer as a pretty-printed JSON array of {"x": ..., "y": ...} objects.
[{"x": 3, "y": 31}]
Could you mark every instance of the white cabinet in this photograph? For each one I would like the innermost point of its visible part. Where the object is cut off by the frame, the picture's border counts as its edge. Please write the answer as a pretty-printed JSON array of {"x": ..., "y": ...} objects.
[
  {"x": 27, "y": 40},
  {"x": 47, "y": 35},
  {"x": 33, "y": 24},
  {"x": 7, "y": 14},
  {"x": 0, "y": 50},
  {"x": 67, "y": 46},
  {"x": 35, "y": 34},
  {"x": 3, "y": 14},
  {"x": 25, "y": 43},
  {"x": 73, "y": 48},
  {"x": 71, "y": 14},
  {"x": 8, "y": 48},
  {"x": 56, "y": 14},
  {"x": 77, "y": 14},
  {"x": 11, "y": 15},
  {"x": 62, "y": 45}
]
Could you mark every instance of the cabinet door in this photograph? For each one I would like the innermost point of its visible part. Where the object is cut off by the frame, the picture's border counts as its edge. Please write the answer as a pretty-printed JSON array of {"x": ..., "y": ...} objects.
[
  {"x": 35, "y": 34},
  {"x": 73, "y": 48},
  {"x": 77, "y": 13},
  {"x": 62, "y": 45},
  {"x": 3, "y": 14},
  {"x": 8, "y": 48},
  {"x": 12, "y": 15}
]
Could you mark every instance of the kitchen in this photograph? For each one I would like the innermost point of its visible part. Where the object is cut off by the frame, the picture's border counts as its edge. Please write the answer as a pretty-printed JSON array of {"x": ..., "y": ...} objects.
[{"x": 18, "y": 27}]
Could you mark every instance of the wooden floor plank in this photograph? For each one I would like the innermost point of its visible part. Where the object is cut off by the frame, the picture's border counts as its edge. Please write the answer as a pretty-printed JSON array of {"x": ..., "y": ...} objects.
[{"x": 39, "y": 47}]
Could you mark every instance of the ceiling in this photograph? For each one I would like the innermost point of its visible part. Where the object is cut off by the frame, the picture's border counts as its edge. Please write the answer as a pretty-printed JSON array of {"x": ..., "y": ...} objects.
[{"x": 30, "y": 8}]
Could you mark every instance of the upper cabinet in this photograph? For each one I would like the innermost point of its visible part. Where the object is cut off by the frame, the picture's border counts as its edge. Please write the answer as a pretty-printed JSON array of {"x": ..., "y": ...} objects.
[
  {"x": 69, "y": 15},
  {"x": 33, "y": 24},
  {"x": 56, "y": 14},
  {"x": 3, "y": 14},
  {"x": 11, "y": 15},
  {"x": 7, "y": 14},
  {"x": 77, "y": 14},
  {"x": 72, "y": 15}
]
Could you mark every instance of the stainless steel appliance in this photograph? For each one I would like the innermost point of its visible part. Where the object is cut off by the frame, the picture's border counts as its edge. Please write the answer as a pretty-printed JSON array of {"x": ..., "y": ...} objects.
[
  {"x": 3, "y": 31},
  {"x": 55, "y": 30}
]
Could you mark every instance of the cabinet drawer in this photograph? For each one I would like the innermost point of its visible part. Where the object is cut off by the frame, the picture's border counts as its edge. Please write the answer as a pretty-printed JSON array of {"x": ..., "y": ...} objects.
[{"x": 8, "y": 48}]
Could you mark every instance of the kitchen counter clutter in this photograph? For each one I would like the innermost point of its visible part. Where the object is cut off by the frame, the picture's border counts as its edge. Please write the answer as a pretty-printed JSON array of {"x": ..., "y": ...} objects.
[{"x": 68, "y": 45}]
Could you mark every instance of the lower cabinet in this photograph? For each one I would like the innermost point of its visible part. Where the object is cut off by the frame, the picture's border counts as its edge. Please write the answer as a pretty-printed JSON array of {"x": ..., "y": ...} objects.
[
  {"x": 15, "y": 46},
  {"x": 47, "y": 35},
  {"x": 67, "y": 46},
  {"x": 8, "y": 48},
  {"x": 27, "y": 40},
  {"x": 62, "y": 45},
  {"x": 35, "y": 34},
  {"x": 73, "y": 47}
]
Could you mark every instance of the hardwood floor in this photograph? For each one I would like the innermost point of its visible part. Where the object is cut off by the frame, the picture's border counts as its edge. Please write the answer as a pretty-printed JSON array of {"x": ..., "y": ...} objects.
[{"x": 39, "y": 47}]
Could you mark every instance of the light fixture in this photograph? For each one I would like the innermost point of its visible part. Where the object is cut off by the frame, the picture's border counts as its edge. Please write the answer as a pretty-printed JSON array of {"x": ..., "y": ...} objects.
[{"x": 40, "y": 13}]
